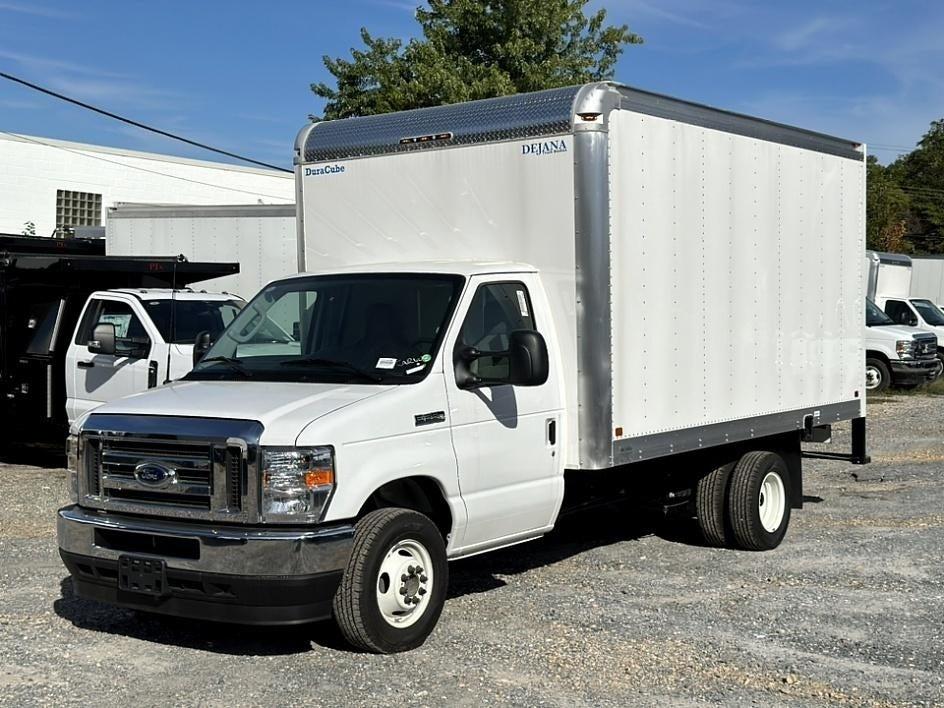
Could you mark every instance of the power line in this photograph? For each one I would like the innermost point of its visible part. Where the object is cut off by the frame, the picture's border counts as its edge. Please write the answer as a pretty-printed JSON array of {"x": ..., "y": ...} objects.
[
  {"x": 141, "y": 169},
  {"x": 129, "y": 121}
]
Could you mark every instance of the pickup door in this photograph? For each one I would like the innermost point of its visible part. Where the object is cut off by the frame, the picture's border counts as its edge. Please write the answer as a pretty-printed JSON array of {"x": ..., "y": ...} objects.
[
  {"x": 506, "y": 438},
  {"x": 93, "y": 379}
]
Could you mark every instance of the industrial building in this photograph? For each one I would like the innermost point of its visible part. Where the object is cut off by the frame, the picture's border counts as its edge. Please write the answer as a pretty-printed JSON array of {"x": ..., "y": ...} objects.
[{"x": 55, "y": 187}]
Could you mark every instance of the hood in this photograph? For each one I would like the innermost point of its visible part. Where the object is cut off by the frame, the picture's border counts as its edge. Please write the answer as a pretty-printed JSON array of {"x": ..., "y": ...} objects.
[
  {"x": 898, "y": 331},
  {"x": 283, "y": 408}
]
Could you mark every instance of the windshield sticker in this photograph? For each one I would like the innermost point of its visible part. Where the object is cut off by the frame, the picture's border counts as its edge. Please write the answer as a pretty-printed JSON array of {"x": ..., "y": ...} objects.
[
  {"x": 385, "y": 362},
  {"x": 415, "y": 369},
  {"x": 522, "y": 303},
  {"x": 426, "y": 358}
]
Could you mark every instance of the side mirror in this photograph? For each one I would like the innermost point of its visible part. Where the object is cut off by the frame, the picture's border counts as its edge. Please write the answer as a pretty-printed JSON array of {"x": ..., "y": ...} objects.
[
  {"x": 527, "y": 358},
  {"x": 527, "y": 362},
  {"x": 201, "y": 345},
  {"x": 103, "y": 339},
  {"x": 912, "y": 320}
]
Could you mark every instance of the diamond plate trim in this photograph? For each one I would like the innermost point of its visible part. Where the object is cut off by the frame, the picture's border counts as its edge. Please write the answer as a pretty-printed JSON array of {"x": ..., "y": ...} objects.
[{"x": 520, "y": 116}]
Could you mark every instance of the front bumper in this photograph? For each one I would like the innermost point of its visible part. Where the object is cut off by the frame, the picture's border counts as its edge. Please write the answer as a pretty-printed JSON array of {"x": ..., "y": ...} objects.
[
  {"x": 912, "y": 371},
  {"x": 249, "y": 575}
]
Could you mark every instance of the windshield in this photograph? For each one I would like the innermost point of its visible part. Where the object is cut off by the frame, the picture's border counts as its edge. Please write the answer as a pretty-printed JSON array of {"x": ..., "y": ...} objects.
[
  {"x": 874, "y": 317},
  {"x": 930, "y": 312},
  {"x": 192, "y": 317},
  {"x": 364, "y": 328}
]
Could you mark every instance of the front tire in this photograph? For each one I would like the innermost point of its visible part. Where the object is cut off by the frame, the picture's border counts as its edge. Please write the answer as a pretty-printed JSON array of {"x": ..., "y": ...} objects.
[
  {"x": 394, "y": 587},
  {"x": 759, "y": 501},
  {"x": 877, "y": 375}
]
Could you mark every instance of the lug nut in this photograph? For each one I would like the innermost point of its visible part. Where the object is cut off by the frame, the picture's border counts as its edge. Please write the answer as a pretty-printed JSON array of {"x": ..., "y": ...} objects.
[
  {"x": 404, "y": 578},
  {"x": 403, "y": 591},
  {"x": 422, "y": 591},
  {"x": 410, "y": 570},
  {"x": 423, "y": 578}
]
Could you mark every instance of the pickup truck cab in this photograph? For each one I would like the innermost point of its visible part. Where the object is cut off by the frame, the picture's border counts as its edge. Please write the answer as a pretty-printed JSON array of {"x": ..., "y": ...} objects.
[
  {"x": 897, "y": 354},
  {"x": 152, "y": 328}
]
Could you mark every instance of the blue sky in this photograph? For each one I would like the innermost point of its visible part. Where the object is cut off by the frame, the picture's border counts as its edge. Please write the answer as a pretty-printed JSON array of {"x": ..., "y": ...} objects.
[{"x": 236, "y": 74}]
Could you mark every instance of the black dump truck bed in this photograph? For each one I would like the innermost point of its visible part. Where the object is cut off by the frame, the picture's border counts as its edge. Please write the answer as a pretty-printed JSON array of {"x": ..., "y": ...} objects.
[{"x": 43, "y": 288}]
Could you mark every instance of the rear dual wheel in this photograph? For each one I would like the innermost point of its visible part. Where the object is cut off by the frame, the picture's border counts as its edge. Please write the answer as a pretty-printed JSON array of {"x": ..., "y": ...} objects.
[{"x": 746, "y": 504}]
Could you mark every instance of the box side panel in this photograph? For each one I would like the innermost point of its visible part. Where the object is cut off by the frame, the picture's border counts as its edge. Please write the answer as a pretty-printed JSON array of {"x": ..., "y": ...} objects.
[
  {"x": 927, "y": 279},
  {"x": 736, "y": 277},
  {"x": 265, "y": 247},
  {"x": 893, "y": 281},
  {"x": 495, "y": 202}
]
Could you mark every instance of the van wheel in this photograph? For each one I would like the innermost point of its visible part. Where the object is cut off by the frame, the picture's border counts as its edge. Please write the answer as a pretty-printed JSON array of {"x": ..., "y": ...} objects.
[
  {"x": 394, "y": 587},
  {"x": 711, "y": 497},
  {"x": 877, "y": 375},
  {"x": 759, "y": 501}
]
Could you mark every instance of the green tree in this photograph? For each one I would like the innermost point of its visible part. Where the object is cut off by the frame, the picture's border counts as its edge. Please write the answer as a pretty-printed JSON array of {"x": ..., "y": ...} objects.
[
  {"x": 471, "y": 49},
  {"x": 887, "y": 209},
  {"x": 921, "y": 175}
]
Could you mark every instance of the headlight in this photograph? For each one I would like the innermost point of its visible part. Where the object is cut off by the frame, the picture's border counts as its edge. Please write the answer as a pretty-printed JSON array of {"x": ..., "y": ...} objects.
[
  {"x": 905, "y": 348},
  {"x": 296, "y": 483},
  {"x": 72, "y": 465}
]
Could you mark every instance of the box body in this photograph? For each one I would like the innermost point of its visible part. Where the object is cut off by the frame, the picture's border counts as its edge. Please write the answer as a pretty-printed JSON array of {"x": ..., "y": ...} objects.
[{"x": 704, "y": 268}]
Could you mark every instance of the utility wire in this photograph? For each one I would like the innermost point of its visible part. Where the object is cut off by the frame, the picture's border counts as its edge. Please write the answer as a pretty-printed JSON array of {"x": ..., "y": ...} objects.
[
  {"x": 142, "y": 169},
  {"x": 129, "y": 121}
]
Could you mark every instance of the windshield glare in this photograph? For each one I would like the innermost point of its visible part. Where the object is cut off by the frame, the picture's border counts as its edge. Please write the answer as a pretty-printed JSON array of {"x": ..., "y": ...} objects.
[
  {"x": 931, "y": 313},
  {"x": 874, "y": 317},
  {"x": 366, "y": 328}
]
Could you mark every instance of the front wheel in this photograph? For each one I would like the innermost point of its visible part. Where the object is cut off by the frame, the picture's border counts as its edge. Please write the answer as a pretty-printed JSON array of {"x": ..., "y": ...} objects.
[
  {"x": 759, "y": 501},
  {"x": 877, "y": 375},
  {"x": 394, "y": 587}
]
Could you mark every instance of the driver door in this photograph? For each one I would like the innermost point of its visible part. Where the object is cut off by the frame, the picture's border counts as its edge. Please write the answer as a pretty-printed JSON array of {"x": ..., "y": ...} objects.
[
  {"x": 94, "y": 379},
  {"x": 505, "y": 437}
]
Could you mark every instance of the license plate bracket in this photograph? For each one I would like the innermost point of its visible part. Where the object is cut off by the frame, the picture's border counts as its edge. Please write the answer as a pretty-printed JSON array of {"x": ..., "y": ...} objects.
[{"x": 147, "y": 576}]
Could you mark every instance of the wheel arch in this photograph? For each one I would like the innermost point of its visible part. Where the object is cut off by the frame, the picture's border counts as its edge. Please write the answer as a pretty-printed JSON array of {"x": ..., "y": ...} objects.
[
  {"x": 875, "y": 354},
  {"x": 417, "y": 492}
]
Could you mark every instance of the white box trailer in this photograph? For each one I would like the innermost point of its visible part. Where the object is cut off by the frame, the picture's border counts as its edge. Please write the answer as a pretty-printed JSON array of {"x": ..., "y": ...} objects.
[
  {"x": 704, "y": 268},
  {"x": 261, "y": 237},
  {"x": 520, "y": 305},
  {"x": 927, "y": 278}
]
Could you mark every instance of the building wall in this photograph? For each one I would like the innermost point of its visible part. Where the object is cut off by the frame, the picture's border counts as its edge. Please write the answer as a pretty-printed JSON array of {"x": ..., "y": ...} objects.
[{"x": 32, "y": 170}]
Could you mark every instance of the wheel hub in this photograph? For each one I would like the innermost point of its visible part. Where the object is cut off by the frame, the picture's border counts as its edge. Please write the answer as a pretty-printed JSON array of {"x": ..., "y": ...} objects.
[
  {"x": 772, "y": 502},
  {"x": 404, "y": 579}
]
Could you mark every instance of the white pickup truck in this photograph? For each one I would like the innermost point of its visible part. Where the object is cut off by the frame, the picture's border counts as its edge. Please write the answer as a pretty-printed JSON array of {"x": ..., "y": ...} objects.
[
  {"x": 517, "y": 304},
  {"x": 149, "y": 340}
]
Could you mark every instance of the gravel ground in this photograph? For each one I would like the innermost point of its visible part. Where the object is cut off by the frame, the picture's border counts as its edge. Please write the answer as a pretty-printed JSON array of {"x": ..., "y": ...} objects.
[{"x": 605, "y": 611}]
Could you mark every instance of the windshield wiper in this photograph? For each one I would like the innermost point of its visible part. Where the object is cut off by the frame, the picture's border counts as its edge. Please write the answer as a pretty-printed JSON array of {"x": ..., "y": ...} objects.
[
  {"x": 234, "y": 363},
  {"x": 333, "y": 364}
]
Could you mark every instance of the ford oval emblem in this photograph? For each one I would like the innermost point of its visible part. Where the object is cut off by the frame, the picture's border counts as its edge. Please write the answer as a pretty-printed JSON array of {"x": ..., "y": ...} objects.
[{"x": 155, "y": 474}]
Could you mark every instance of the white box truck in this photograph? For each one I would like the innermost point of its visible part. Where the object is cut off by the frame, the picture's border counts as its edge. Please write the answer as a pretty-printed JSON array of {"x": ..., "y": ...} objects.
[
  {"x": 514, "y": 301},
  {"x": 911, "y": 352},
  {"x": 260, "y": 237},
  {"x": 927, "y": 278}
]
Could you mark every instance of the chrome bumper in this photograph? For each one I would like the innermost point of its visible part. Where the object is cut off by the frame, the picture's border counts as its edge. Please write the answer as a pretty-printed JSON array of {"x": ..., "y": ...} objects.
[{"x": 206, "y": 547}]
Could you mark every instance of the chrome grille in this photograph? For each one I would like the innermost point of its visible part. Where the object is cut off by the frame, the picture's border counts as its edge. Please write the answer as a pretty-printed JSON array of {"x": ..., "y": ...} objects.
[
  {"x": 191, "y": 462},
  {"x": 926, "y": 346},
  {"x": 186, "y": 467}
]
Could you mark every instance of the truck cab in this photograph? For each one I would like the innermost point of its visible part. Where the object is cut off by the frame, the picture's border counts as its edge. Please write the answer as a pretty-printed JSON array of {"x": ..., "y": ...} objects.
[
  {"x": 153, "y": 328},
  {"x": 897, "y": 354},
  {"x": 918, "y": 313}
]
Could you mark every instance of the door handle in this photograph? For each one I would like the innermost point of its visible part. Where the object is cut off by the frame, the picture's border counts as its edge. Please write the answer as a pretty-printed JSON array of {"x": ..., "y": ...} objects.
[
  {"x": 551, "y": 431},
  {"x": 85, "y": 364}
]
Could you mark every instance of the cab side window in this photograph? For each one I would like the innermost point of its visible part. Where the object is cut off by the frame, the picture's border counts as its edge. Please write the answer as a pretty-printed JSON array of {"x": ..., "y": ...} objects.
[
  {"x": 129, "y": 331},
  {"x": 900, "y": 312},
  {"x": 497, "y": 310}
]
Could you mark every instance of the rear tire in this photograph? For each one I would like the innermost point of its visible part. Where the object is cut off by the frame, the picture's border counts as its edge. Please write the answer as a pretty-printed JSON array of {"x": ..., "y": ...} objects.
[
  {"x": 877, "y": 375},
  {"x": 394, "y": 587},
  {"x": 711, "y": 498},
  {"x": 759, "y": 501}
]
